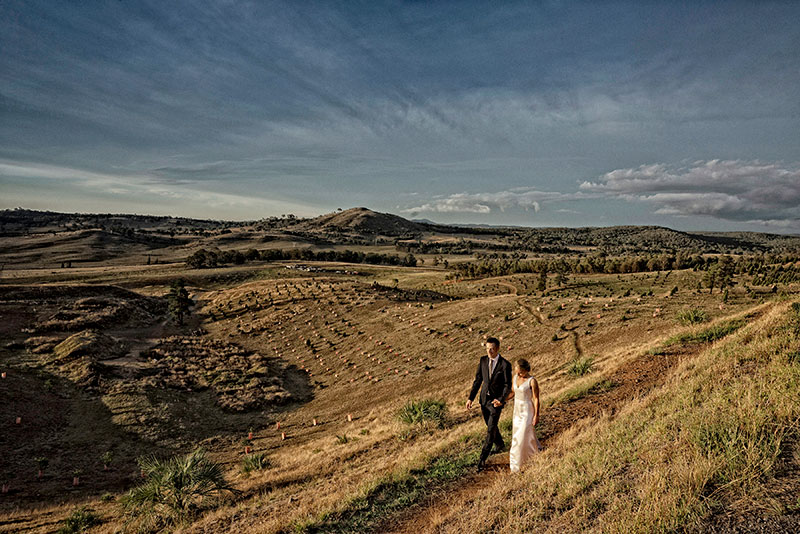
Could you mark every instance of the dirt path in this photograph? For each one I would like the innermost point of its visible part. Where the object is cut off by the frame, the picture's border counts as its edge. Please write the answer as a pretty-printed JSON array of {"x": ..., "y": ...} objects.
[
  {"x": 514, "y": 290},
  {"x": 631, "y": 380},
  {"x": 528, "y": 308}
]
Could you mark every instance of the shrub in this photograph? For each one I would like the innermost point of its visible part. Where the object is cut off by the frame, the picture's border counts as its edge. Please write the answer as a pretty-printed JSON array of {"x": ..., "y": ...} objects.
[
  {"x": 693, "y": 316},
  {"x": 78, "y": 521},
  {"x": 173, "y": 489},
  {"x": 421, "y": 412},
  {"x": 580, "y": 366},
  {"x": 254, "y": 462}
]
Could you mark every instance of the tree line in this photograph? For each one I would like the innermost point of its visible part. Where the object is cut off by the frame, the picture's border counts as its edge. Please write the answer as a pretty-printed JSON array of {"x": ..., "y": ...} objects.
[
  {"x": 722, "y": 268},
  {"x": 204, "y": 258}
]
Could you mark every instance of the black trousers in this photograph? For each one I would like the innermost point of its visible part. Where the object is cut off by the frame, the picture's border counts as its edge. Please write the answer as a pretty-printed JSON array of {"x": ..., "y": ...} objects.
[{"x": 491, "y": 416}]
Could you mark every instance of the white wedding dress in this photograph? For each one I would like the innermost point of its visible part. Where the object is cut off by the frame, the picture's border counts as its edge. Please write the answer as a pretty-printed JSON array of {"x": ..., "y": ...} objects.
[{"x": 523, "y": 439}]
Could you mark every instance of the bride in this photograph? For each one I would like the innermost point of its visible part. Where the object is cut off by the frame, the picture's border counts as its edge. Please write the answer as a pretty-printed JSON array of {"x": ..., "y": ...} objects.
[{"x": 526, "y": 414}]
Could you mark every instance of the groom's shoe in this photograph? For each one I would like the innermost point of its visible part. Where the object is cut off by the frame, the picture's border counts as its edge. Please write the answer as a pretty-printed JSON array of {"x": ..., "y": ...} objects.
[{"x": 481, "y": 467}]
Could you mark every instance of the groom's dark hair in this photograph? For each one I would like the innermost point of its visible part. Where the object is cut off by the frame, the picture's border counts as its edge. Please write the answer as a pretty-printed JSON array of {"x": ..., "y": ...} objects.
[{"x": 494, "y": 341}]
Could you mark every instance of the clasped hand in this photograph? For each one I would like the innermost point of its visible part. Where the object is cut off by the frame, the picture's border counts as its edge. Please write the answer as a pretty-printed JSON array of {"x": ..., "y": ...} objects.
[{"x": 496, "y": 403}]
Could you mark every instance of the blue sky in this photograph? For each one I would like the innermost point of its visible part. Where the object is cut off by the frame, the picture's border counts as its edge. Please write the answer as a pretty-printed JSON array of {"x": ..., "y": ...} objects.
[{"x": 683, "y": 114}]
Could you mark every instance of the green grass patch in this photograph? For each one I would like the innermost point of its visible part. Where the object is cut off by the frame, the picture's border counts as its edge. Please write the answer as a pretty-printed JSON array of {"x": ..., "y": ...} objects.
[
  {"x": 396, "y": 492},
  {"x": 600, "y": 385},
  {"x": 707, "y": 335},
  {"x": 424, "y": 412}
]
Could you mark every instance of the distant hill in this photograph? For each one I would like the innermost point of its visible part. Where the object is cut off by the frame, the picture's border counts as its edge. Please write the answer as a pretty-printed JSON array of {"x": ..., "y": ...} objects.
[
  {"x": 24, "y": 221},
  {"x": 363, "y": 221}
]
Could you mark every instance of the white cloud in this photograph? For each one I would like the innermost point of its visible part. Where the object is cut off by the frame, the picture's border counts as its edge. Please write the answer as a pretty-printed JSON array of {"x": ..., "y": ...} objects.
[
  {"x": 742, "y": 191},
  {"x": 525, "y": 198}
]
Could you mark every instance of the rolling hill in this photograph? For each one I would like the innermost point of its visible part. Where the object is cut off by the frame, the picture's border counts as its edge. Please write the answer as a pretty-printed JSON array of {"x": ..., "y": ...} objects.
[{"x": 32, "y": 238}]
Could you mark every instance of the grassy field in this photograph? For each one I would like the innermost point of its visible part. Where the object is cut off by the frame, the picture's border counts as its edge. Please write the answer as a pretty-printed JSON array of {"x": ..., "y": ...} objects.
[{"x": 664, "y": 409}]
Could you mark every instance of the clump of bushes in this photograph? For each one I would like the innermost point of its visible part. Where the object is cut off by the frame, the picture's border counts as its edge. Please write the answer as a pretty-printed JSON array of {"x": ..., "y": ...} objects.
[{"x": 424, "y": 412}]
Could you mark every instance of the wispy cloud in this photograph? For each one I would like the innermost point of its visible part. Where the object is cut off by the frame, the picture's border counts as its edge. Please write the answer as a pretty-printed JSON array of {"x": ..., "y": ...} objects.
[
  {"x": 743, "y": 191},
  {"x": 142, "y": 191},
  {"x": 484, "y": 203}
]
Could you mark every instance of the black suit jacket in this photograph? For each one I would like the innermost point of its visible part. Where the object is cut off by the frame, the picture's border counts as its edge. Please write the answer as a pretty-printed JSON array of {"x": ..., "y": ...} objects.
[{"x": 497, "y": 386}]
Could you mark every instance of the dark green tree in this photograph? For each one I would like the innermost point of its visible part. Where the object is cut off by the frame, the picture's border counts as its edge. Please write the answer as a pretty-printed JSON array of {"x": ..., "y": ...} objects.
[
  {"x": 725, "y": 271},
  {"x": 710, "y": 278},
  {"x": 179, "y": 301}
]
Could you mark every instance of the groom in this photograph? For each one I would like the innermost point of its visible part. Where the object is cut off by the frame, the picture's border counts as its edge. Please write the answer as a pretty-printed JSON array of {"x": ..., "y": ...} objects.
[{"x": 494, "y": 372}]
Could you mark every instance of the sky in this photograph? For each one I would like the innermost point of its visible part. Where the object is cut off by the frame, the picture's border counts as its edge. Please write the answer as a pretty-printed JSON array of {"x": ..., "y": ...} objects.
[{"x": 680, "y": 114}]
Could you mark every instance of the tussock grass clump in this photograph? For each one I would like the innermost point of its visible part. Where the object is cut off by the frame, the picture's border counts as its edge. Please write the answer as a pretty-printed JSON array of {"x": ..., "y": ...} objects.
[
  {"x": 174, "y": 490},
  {"x": 255, "y": 462},
  {"x": 580, "y": 366},
  {"x": 692, "y": 316},
  {"x": 78, "y": 521},
  {"x": 424, "y": 412}
]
